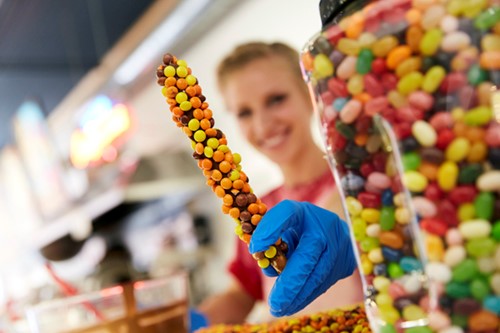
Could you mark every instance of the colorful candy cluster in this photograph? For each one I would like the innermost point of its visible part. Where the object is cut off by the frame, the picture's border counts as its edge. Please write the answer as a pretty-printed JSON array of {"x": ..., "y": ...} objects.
[
  {"x": 408, "y": 92},
  {"x": 352, "y": 320},
  {"x": 220, "y": 165}
]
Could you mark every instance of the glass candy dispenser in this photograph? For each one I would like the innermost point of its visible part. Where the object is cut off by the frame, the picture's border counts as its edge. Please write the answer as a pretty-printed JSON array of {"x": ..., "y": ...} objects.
[{"x": 406, "y": 92}]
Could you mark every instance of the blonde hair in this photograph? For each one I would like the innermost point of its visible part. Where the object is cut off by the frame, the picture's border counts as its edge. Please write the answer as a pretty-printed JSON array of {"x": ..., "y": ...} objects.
[{"x": 246, "y": 53}]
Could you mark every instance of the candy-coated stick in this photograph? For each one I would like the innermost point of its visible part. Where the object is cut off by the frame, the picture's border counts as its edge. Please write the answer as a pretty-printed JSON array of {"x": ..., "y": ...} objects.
[{"x": 219, "y": 164}]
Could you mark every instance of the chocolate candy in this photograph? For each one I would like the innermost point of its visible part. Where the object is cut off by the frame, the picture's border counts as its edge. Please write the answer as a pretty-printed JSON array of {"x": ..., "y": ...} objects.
[
  {"x": 219, "y": 164},
  {"x": 408, "y": 98},
  {"x": 349, "y": 320}
]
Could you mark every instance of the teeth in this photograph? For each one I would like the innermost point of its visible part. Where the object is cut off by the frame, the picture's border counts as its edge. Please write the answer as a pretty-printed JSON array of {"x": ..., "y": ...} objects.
[{"x": 273, "y": 141}]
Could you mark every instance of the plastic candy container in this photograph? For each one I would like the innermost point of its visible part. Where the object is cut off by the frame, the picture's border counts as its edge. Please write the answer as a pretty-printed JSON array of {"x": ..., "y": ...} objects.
[{"x": 408, "y": 97}]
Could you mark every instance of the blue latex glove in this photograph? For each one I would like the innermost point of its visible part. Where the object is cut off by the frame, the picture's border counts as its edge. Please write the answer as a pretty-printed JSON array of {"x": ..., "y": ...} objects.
[
  {"x": 320, "y": 253},
  {"x": 197, "y": 320}
]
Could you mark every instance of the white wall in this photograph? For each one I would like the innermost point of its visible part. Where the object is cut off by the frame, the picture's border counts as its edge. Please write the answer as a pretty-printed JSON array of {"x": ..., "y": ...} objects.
[{"x": 291, "y": 21}]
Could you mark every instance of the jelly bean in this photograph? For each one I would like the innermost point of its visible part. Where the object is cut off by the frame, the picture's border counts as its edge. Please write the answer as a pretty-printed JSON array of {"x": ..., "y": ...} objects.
[
  {"x": 424, "y": 207},
  {"x": 373, "y": 230},
  {"x": 414, "y": 181},
  {"x": 455, "y": 41},
  {"x": 397, "y": 99},
  {"x": 457, "y": 150},
  {"x": 389, "y": 315},
  {"x": 433, "y": 78},
  {"x": 351, "y": 110},
  {"x": 490, "y": 60},
  {"x": 454, "y": 255},
  {"x": 447, "y": 175},
  {"x": 479, "y": 289},
  {"x": 466, "y": 212},
  {"x": 398, "y": 55},
  {"x": 414, "y": 35},
  {"x": 457, "y": 290},
  {"x": 364, "y": 62},
  {"x": 495, "y": 232},
  {"x": 490, "y": 42},
  {"x": 411, "y": 161},
  {"x": 381, "y": 283},
  {"x": 413, "y": 312},
  {"x": 462, "y": 194},
  {"x": 355, "y": 84},
  {"x": 484, "y": 204},
  {"x": 492, "y": 304},
  {"x": 435, "y": 247},
  {"x": 323, "y": 67},
  {"x": 369, "y": 243},
  {"x": 478, "y": 116},
  {"x": 347, "y": 68},
  {"x": 345, "y": 130},
  {"x": 476, "y": 75},
  {"x": 339, "y": 103},
  {"x": 478, "y": 152},
  {"x": 391, "y": 239},
  {"x": 410, "y": 82},
  {"x": 376, "y": 105},
  {"x": 469, "y": 173},
  {"x": 387, "y": 218},
  {"x": 480, "y": 247},
  {"x": 369, "y": 200},
  {"x": 483, "y": 321},
  {"x": 434, "y": 225},
  {"x": 394, "y": 270},
  {"x": 452, "y": 83},
  {"x": 432, "y": 155},
  {"x": 432, "y": 17},
  {"x": 424, "y": 133},
  {"x": 489, "y": 181},
  {"x": 466, "y": 306},
  {"x": 475, "y": 229},
  {"x": 430, "y": 42},
  {"x": 439, "y": 321},
  {"x": 447, "y": 211},
  {"x": 359, "y": 228},
  {"x": 354, "y": 207},
  {"x": 449, "y": 23},
  {"x": 428, "y": 170},
  {"x": 454, "y": 237},
  {"x": 337, "y": 87},
  {"x": 375, "y": 256},
  {"x": 421, "y": 100},
  {"x": 438, "y": 272},
  {"x": 348, "y": 46},
  {"x": 384, "y": 45},
  {"x": 370, "y": 215},
  {"x": 402, "y": 215},
  {"x": 410, "y": 264},
  {"x": 391, "y": 255},
  {"x": 488, "y": 18}
]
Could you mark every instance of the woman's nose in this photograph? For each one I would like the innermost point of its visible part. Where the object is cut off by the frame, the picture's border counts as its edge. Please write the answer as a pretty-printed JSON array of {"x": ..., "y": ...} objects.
[{"x": 261, "y": 124}]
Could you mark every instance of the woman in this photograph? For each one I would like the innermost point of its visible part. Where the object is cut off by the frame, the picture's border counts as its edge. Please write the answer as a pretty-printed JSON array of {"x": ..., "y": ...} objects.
[{"x": 262, "y": 86}]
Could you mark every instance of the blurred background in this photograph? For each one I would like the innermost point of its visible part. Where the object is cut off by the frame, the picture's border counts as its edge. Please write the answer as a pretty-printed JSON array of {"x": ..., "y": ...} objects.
[{"x": 96, "y": 182}]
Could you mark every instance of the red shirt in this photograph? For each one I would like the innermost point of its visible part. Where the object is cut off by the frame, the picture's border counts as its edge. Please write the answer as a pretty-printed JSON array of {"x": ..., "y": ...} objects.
[{"x": 243, "y": 267}]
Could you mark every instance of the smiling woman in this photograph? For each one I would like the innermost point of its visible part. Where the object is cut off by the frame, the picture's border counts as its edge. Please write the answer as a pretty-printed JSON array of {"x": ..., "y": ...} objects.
[{"x": 262, "y": 86}]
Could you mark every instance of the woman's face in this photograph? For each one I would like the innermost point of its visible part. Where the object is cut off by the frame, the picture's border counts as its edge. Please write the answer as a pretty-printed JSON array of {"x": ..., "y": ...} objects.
[{"x": 271, "y": 107}]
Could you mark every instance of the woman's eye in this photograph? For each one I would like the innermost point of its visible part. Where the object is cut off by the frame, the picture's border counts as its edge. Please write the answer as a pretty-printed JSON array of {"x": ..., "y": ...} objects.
[
  {"x": 276, "y": 99},
  {"x": 244, "y": 113}
]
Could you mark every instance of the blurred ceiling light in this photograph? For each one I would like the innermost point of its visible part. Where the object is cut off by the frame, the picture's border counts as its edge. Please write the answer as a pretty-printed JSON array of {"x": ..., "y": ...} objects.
[{"x": 162, "y": 38}]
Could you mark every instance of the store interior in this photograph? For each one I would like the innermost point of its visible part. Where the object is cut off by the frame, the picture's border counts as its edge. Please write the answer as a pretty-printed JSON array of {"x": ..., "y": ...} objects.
[{"x": 97, "y": 185}]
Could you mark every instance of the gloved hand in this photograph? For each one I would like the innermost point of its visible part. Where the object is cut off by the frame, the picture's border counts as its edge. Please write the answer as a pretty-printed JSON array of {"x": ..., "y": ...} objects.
[
  {"x": 319, "y": 253},
  {"x": 197, "y": 320}
]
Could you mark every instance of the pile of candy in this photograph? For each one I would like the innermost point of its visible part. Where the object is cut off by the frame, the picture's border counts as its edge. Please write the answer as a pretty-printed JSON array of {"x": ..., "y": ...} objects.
[
  {"x": 409, "y": 100},
  {"x": 220, "y": 165},
  {"x": 335, "y": 321}
]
